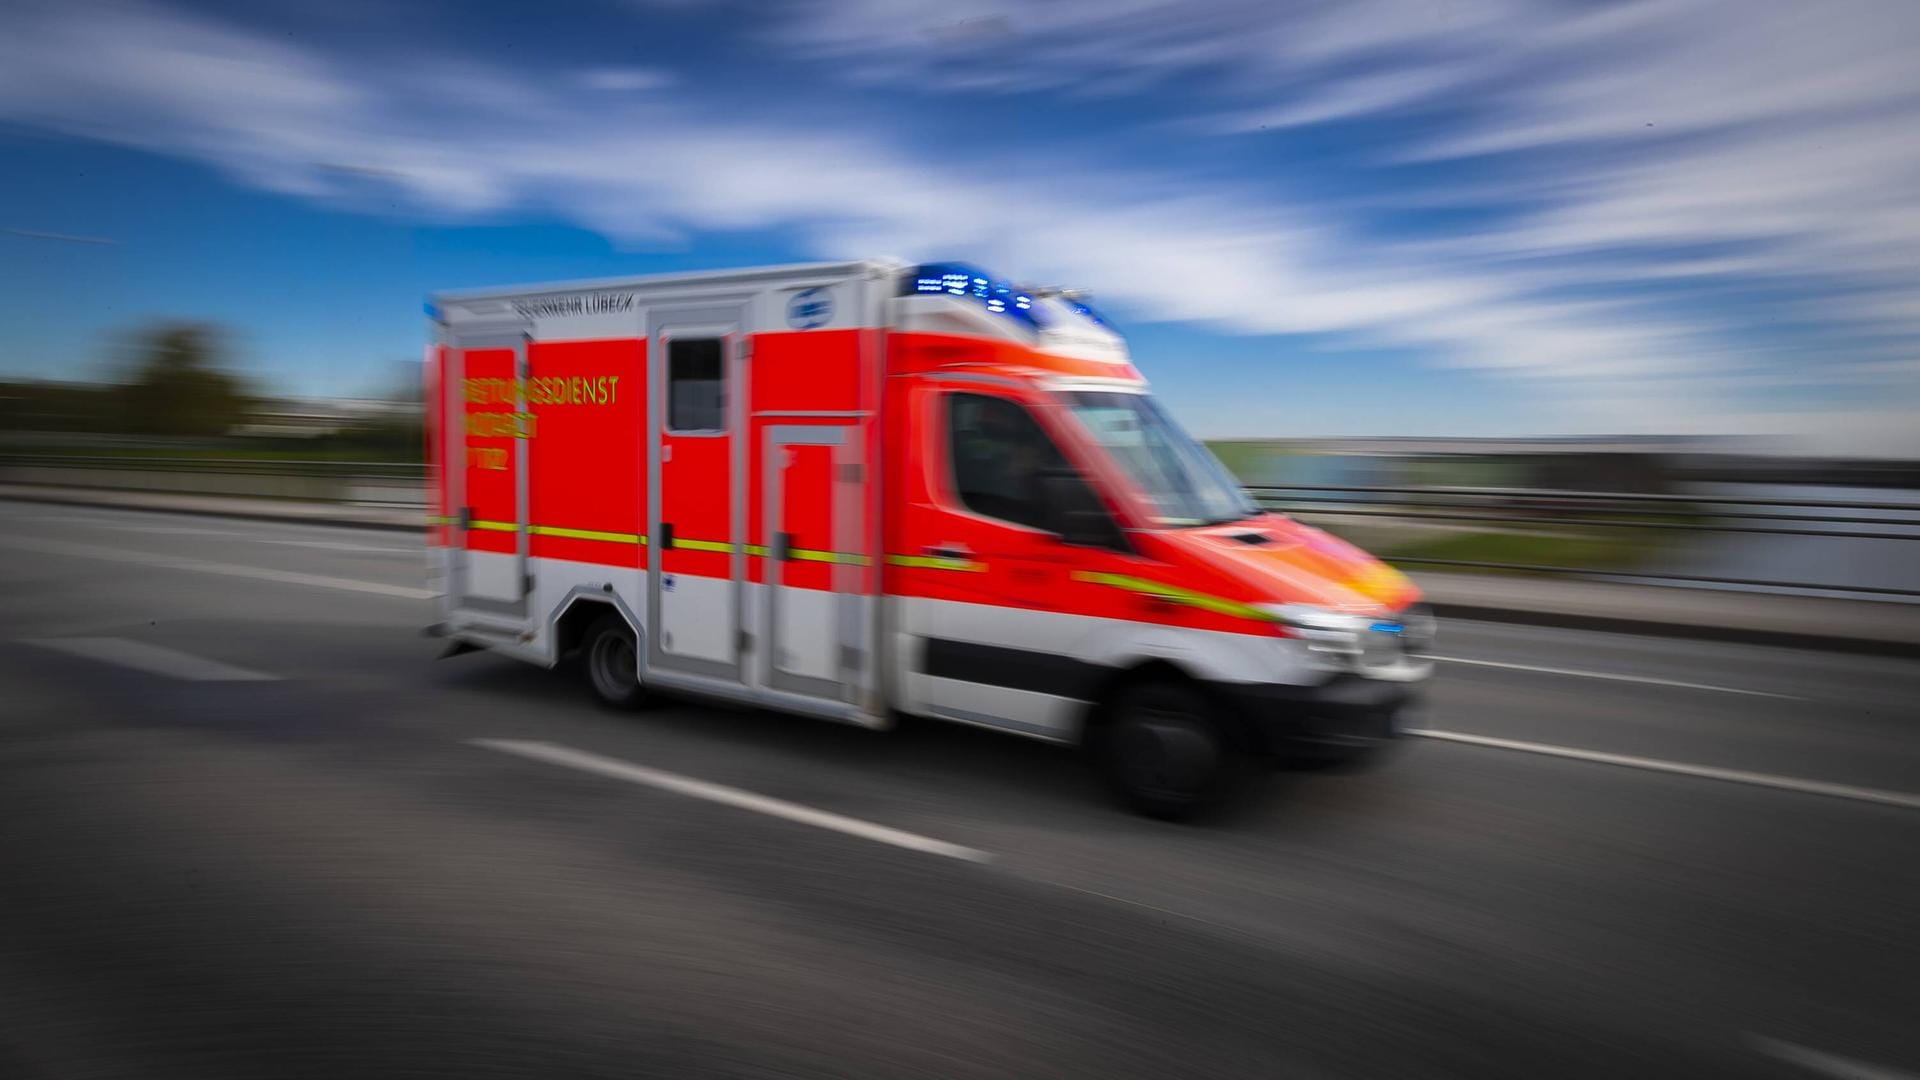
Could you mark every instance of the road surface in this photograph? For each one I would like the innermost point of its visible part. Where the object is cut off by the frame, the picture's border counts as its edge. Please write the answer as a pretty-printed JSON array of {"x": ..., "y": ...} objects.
[{"x": 252, "y": 827}]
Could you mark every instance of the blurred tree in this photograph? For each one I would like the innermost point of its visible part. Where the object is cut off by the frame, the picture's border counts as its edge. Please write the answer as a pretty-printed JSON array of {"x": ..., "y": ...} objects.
[
  {"x": 398, "y": 431},
  {"x": 53, "y": 406},
  {"x": 177, "y": 385}
]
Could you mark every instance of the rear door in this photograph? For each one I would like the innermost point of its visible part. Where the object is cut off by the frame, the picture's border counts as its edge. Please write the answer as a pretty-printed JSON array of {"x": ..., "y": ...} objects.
[
  {"x": 488, "y": 474},
  {"x": 697, "y": 494}
]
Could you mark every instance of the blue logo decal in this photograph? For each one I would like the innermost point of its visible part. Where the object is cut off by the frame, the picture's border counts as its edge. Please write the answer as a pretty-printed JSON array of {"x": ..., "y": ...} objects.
[{"x": 810, "y": 309}]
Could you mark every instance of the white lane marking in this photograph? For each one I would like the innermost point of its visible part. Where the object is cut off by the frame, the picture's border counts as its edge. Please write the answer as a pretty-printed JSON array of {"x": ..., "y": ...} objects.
[
  {"x": 152, "y": 659},
  {"x": 1706, "y": 772},
  {"x": 745, "y": 800},
  {"x": 1822, "y": 1062},
  {"x": 1615, "y": 677},
  {"x": 258, "y": 573}
]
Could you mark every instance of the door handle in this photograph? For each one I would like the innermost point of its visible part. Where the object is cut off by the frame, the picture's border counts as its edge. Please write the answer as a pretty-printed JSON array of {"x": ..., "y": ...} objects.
[{"x": 948, "y": 551}]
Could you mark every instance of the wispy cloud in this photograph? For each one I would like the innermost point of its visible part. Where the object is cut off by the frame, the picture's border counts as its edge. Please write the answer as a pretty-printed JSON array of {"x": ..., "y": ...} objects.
[
  {"x": 1778, "y": 151},
  {"x": 64, "y": 238},
  {"x": 624, "y": 79}
]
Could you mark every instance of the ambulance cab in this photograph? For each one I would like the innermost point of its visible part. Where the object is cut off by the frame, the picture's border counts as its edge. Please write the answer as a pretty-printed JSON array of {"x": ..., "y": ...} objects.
[{"x": 865, "y": 490}]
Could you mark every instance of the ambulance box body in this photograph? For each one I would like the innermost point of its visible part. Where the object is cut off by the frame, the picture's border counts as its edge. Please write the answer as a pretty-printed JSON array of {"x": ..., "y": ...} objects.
[{"x": 856, "y": 490}]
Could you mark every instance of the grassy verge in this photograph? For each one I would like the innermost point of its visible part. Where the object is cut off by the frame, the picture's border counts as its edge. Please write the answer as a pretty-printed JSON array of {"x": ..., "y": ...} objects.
[{"x": 1615, "y": 549}]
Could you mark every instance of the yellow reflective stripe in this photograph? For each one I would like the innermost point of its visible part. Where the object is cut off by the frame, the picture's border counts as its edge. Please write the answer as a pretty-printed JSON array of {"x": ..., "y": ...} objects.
[
  {"x": 1217, "y": 605},
  {"x": 587, "y": 534},
  {"x": 840, "y": 558},
  {"x": 936, "y": 562}
]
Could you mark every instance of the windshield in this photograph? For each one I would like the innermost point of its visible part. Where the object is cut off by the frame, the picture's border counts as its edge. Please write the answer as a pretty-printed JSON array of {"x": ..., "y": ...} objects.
[{"x": 1187, "y": 484}]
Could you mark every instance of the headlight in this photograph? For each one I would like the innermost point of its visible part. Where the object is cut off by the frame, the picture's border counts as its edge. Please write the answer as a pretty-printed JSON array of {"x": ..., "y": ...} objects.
[
  {"x": 1323, "y": 631},
  {"x": 1358, "y": 641}
]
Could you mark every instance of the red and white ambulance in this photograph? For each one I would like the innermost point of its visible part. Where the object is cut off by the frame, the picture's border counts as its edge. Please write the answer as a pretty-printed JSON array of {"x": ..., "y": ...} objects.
[{"x": 858, "y": 490}]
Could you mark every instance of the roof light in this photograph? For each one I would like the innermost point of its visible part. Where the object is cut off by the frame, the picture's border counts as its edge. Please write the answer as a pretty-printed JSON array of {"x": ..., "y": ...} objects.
[{"x": 956, "y": 279}]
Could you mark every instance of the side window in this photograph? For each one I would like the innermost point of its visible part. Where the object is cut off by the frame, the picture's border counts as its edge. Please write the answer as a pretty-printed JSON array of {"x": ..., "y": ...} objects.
[
  {"x": 999, "y": 455},
  {"x": 696, "y": 385}
]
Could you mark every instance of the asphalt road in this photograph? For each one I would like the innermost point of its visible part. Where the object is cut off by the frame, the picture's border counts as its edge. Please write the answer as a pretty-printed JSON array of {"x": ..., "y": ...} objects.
[{"x": 251, "y": 827}]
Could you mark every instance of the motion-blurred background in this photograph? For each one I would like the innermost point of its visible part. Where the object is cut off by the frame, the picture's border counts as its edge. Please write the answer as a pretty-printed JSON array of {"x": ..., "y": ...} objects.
[
  {"x": 1619, "y": 249},
  {"x": 1599, "y": 317}
]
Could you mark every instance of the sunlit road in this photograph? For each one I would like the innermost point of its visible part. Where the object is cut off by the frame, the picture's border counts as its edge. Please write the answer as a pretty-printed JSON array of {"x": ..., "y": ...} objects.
[{"x": 251, "y": 827}]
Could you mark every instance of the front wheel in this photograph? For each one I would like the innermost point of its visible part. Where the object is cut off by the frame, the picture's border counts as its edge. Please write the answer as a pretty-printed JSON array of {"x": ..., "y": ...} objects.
[
  {"x": 1164, "y": 754},
  {"x": 613, "y": 663}
]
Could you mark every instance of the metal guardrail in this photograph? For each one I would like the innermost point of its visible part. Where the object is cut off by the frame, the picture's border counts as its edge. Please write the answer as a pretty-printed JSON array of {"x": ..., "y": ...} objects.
[
  {"x": 347, "y": 470},
  {"x": 1563, "y": 508},
  {"x": 1554, "y": 508}
]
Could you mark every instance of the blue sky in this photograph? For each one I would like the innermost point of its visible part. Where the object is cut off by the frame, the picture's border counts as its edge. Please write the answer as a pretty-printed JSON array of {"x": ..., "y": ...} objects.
[{"x": 1474, "y": 217}]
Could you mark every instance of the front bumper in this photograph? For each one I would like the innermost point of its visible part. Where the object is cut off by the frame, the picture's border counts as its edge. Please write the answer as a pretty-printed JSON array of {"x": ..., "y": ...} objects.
[{"x": 1346, "y": 715}]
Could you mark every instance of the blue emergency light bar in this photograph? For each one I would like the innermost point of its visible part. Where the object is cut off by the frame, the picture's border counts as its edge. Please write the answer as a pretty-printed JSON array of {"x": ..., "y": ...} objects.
[{"x": 971, "y": 282}]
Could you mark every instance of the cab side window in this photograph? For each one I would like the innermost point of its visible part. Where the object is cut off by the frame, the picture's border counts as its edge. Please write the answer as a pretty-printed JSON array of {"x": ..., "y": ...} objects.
[{"x": 1000, "y": 455}]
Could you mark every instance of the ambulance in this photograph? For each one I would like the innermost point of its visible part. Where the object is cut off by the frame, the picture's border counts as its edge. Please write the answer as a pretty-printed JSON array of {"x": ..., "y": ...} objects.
[{"x": 865, "y": 490}]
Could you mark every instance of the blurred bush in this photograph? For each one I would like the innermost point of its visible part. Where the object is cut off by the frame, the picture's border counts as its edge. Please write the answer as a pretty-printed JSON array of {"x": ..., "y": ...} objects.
[{"x": 177, "y": 385}]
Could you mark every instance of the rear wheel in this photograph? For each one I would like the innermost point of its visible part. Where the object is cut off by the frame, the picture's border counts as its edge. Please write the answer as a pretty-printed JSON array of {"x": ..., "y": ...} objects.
[
  {"x": 1164, "y": 753},
  {"x": 612, "y": 662}
]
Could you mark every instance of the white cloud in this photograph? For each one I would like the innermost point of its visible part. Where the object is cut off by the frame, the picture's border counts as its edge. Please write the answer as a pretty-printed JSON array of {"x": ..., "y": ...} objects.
[
  {"x": 624, "y": 79},
  {"x": 1362, "y": 95},
  {"x": 1812, "y": 183}
]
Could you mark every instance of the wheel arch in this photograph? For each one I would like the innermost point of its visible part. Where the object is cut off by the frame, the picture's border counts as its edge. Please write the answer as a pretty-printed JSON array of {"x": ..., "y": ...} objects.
[
  {"x": 580, "y": 609},
  {"x": 1107, "y": 688}
]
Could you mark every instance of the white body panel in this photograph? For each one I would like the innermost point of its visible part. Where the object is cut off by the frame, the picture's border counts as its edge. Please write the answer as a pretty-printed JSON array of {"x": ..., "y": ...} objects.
[
  {"x": 808, "y": 642},
  {"x": 698, "y": 616},
  {"x": 493, "y": 576}
]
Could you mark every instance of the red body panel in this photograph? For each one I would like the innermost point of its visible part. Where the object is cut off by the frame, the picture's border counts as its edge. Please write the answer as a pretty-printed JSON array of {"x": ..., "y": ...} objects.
[
  {"x": 586, "y": 461},
  {"x": 800, "y": 372},
  {"x": 585, "y": 443},
  {"x": 491, "y": 447}
]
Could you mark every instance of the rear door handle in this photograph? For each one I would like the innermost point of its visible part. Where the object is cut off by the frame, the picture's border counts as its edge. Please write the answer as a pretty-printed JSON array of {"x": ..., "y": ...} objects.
[{"x": 948, "y": 551}]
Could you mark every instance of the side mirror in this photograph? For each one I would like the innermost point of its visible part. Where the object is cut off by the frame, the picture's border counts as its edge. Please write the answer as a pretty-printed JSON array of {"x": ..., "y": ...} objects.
[{"x": 1074, "y": 514}]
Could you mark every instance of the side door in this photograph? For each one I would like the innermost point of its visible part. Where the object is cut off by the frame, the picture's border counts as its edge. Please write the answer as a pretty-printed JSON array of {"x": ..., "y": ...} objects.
[
  {"x": 487, "y": 466},
  {"x": 696, "y": 491},
  {"x": 996, "y": 631},
  {"x": 817, "y": 559}
]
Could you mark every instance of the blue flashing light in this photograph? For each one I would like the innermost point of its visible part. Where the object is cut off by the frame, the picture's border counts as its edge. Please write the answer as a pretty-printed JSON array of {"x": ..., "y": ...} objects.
[
  {"x": 1088, "y": 313},
  {"x": 1389, "y": 627},
  {"x": 958, "y": 279}
]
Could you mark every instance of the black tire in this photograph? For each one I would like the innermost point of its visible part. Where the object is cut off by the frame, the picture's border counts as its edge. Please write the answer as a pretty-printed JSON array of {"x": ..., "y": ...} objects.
[
  {"x": 1164, "y": 752},
  {"x": 610, "y": 659}
]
